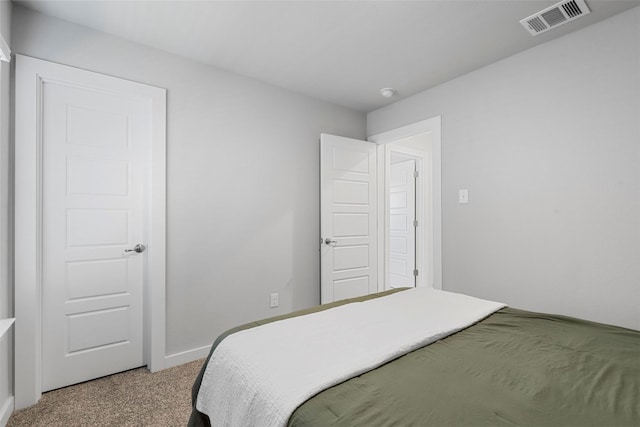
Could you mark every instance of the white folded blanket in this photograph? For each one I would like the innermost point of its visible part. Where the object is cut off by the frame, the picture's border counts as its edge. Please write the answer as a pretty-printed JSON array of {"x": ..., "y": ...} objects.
[{"x": 259, "y": 376}]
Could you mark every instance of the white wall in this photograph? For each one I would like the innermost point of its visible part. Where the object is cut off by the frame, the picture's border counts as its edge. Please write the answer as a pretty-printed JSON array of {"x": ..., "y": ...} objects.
[
  {"x": 548, "y": 144},
  {"x": 6, "y": 291},
  {"x": 243, "y": 178}
]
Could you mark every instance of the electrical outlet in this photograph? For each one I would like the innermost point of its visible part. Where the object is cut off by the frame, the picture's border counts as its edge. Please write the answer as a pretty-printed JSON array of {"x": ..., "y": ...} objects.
[{"x": 274, "y": 301}]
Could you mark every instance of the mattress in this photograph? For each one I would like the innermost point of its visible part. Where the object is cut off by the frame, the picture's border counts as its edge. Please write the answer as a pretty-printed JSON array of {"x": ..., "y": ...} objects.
[{"x": 512, "y": 368}]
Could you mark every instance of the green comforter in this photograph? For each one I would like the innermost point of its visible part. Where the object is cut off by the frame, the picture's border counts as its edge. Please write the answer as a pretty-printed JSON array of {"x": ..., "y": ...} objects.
[{"x": 514, "y": 368}]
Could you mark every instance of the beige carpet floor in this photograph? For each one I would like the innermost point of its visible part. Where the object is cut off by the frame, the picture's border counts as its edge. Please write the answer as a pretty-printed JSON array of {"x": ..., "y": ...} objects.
[{"x": 132, "y": 398}]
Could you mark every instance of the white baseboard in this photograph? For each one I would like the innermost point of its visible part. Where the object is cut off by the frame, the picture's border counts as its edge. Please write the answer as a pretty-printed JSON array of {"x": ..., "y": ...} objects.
[
  {"x": 186, "y": 356},
  {"x": 6, "y": 410}
]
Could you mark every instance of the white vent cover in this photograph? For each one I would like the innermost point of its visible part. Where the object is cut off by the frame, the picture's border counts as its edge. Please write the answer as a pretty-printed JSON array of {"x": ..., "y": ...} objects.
[{"x": 555, "y": 16}]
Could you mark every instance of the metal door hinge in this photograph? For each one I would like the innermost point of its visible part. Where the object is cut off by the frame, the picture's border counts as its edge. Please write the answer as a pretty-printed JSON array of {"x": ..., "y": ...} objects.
[
  {"x": 415, "y": 223},
  {"x": 415, "y": 273},
  {"x": 416, "y": 174}
]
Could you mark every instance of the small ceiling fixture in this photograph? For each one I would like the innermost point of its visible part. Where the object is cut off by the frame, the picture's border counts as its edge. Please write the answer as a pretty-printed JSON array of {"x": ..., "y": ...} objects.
[{"x": 388, "y": 92}]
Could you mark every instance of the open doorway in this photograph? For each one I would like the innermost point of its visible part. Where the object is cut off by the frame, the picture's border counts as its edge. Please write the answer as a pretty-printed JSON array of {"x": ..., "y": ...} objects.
[
  {"x": 409, "y": 230},
  {"x": 355, "y": 211},
  {"x": 407, "y": 212}
]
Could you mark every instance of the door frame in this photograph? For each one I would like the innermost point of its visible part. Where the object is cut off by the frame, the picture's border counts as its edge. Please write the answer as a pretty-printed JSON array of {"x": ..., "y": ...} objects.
[
  {"x": 31, "y": 74},
  {"x": 433, "y": 126}
]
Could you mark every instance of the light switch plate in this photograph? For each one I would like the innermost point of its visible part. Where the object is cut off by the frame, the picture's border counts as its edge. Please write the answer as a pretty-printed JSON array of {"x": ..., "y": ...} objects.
[
  {"x": 463, "y": 196},
  {"x": 273, "y": 303}
]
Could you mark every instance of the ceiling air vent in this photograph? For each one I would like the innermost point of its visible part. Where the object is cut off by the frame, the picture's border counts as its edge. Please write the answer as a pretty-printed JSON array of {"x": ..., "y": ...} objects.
[{"x": 554, "y": 16}]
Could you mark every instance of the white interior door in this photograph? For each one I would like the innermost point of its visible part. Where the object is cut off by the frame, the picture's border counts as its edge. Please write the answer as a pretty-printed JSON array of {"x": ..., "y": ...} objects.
[
  {"x": 348, "y": 218},
  {"x": 93, "y": 145},
  {"x": 402, "y": 225},
  {"x": 90, "y": 182}
]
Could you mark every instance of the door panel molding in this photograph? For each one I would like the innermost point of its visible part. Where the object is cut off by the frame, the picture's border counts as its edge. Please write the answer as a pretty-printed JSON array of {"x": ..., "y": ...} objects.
[
  {"x": 348, "y": 223},
  {"x": 31, "y": 75},
  {"x": 401, "y": 201}
]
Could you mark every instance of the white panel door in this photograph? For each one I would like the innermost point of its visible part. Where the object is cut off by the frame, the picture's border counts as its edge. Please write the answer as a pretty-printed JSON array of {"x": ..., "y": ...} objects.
[
  {"x": 402, "y": 231},
  {"x": 93, "y": 164},
  {"x": 348, "y": 218}
]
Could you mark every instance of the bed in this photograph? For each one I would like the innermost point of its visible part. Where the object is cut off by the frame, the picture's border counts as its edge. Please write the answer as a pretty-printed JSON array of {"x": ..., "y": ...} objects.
[{"x": 509, "y": 367}]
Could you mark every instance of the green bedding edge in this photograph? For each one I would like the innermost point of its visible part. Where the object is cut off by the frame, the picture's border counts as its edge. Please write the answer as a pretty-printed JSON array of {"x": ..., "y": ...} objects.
[
  {"x": 199, "y": 419},
  {"x": 514, "y": 368}
]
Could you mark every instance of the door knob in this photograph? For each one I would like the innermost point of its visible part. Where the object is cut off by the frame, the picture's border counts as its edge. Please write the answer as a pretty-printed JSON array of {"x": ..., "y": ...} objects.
[
  {"x": 137, "y": 248},
  {"x": 330, "y": 241}
]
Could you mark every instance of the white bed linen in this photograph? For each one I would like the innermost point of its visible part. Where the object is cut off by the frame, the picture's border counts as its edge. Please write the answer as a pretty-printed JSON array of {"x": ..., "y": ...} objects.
[{"x": 259, "y": 376}]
